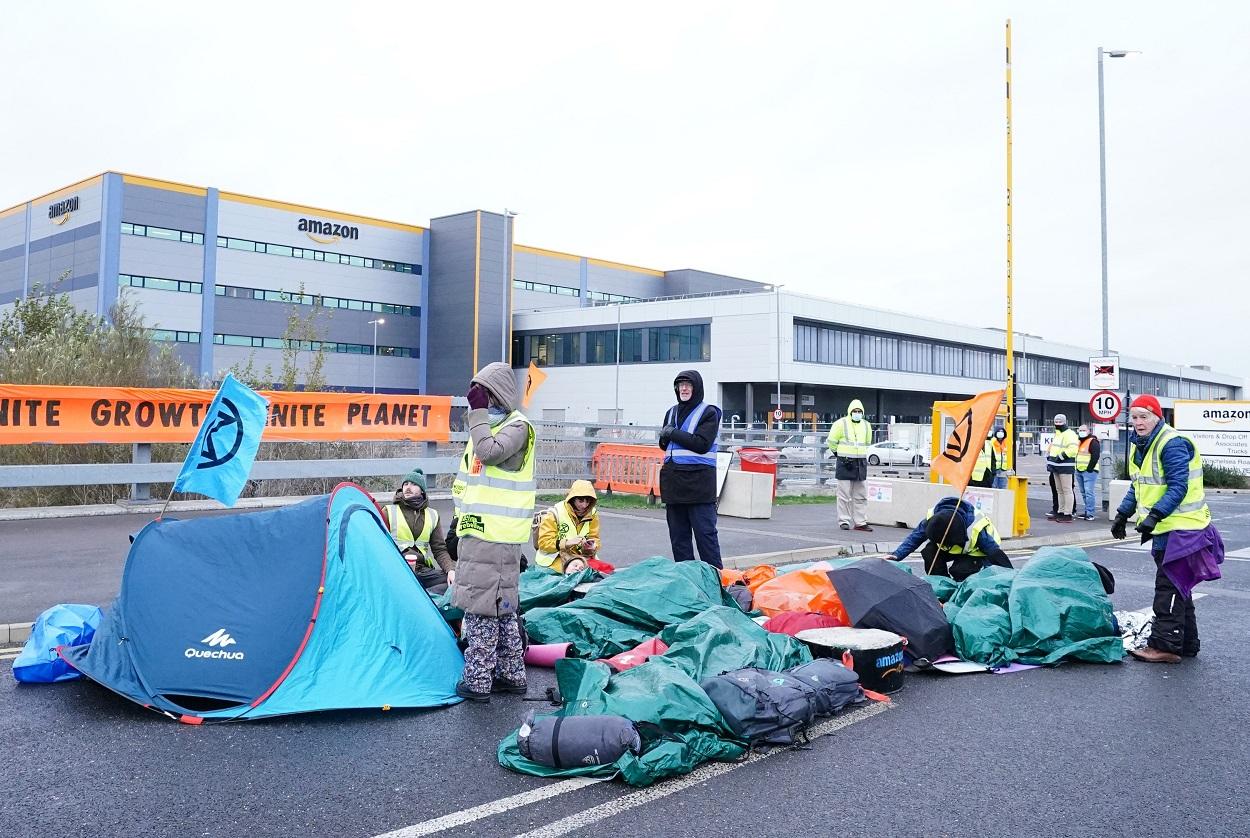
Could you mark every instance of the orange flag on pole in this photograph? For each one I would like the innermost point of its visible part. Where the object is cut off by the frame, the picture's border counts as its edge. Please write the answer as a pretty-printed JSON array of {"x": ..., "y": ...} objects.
[
  {"x": 973, "y": 420},
  {"x": 533, "y": 381}
]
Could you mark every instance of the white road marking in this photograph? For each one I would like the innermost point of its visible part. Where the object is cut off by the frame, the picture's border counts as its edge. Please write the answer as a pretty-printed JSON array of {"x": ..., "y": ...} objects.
[
  {"x": 1243, "y": 553},
  {"x": 705, "y": 772},
  {"x": 495, "y": 807}
]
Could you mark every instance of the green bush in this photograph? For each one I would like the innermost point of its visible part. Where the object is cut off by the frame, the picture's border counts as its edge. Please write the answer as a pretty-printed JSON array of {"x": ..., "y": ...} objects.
[{"x": 1218, "y": 477}]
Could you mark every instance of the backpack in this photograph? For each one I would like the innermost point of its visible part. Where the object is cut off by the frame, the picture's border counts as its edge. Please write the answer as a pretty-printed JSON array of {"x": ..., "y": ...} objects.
[
  {"x": 763, "y": 707},
  {"x": 835, "y": 685}
]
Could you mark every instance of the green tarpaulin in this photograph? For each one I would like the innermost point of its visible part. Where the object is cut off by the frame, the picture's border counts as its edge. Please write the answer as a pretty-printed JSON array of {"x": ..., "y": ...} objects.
[
  {"x": 665, "y": 692},
  {"x": 630, "y": 606},
  {"x": 1054, "y": 608}
]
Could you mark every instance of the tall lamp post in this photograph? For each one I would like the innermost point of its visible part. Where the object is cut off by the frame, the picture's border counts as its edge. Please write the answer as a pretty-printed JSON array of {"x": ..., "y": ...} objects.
[
  {"x": 375, "y": 324},
  {"x": 1102, "y": 192}
]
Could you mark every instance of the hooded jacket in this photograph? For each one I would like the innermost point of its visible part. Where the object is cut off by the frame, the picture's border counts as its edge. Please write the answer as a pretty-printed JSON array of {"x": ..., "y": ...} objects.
[
  {"x": 414, "y": 514},
  {"x": 689, "y": 483},
  {"x": 487, "y": 573},
  {"x": 963, "y": 565},
  {"x": 549, "y": 537},
  {"x": 849, "y": 468}
]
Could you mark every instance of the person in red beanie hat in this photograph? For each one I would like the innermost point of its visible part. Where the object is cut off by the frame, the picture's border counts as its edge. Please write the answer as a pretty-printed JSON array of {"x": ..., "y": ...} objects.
[
  {"x": 1167, "y": 496},
  {"x": 1148, "y": 402}
]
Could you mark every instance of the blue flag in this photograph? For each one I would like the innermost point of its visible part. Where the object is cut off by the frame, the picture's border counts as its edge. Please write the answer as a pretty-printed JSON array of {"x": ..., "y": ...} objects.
[{"x": 221, "y": 457}]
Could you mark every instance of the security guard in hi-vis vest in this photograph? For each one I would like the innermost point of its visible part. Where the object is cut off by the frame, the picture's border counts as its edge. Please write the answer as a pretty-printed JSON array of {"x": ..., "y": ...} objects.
[
  {"x": 496, "y": 510},
  {"x": 1171, "y": 508},
  {"x": 418, "y": 533},
  {"x": 849, "y": 439}
]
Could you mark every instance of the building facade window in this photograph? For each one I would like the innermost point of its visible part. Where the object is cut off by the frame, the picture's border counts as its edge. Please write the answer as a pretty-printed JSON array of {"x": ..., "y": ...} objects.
[
  {"x": 160, "y": 283},
  {"x": 605, "y": 297},
  {"x": 545, "y": 288},
  {"x": 174, "y": 336},
  {"x": 256, "y": 342},
  {"x": 679, "y": 343},
  {"x": 266, "y": 295},
  {"x": 598, "y": 346},
  {"x": 250, "y": 246},
  {"x": 601, "y": 347},
  {"x": 148, "y": 231}
]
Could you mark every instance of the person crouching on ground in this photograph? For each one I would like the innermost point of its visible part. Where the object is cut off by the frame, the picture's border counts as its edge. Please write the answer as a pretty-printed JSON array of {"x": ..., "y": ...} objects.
[
  {"x": 496, "y": 511},
  {"x": 568, "y": 533},
  {"x": 958, "y": 541},
  {"x": 418, "y": 533}
]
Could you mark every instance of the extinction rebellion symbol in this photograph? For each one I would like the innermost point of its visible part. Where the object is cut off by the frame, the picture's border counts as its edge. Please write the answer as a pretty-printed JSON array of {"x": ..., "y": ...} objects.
[
  {"x": 226, "y": 423},
  {"x": 960, "y": 440}
]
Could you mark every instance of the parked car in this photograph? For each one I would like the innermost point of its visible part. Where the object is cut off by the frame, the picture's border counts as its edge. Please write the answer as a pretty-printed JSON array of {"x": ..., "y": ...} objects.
[{"x": 896, "y": 454}]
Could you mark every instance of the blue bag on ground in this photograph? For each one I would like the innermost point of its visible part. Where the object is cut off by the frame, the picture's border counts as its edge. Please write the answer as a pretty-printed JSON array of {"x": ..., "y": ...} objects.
[{"x": 60, "y": 625}]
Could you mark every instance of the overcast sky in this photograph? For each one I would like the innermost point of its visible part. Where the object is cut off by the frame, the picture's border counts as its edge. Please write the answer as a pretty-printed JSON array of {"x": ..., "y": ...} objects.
[{"x": 838, "y": 148}]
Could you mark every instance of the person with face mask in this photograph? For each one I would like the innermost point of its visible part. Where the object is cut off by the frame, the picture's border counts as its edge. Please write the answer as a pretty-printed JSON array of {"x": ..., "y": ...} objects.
[
  {"x": 1088, "y": 453},
  {"x": 688, "y": 475},
  {"x": 999, "y": 446},
  {"x": 849, "y": 439},
  {"x": 1061, "y": 463},
  {"x": 496, "y": 510},
  {"x": 1168, "y": 498},
  {"x": 418, "y": 533}
]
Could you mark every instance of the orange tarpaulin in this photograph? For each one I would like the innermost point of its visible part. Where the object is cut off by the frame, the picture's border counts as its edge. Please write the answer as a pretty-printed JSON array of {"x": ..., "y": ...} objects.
[
  {"x": 752, "y": 577},
  {"x": 129, "y": 414},
  {"x": 801, "y": 590},
  {"x": 973, "y": 419}
]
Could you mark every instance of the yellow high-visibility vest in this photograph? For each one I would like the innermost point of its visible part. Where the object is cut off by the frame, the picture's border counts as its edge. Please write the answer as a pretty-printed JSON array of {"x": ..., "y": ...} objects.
[
  {"x": 980, "y": 523},
  {"x": 1149, "y": 486},
  {"x": 498, "y": 505},
  {"x": 850, "y": 439},
  {"x": 404, "y": 538},
  {"x": 983, "y": 461}
]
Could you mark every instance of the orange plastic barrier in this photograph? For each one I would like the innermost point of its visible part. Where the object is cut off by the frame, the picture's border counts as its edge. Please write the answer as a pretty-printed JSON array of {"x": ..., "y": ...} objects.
[{"x": 629, "y": 469}]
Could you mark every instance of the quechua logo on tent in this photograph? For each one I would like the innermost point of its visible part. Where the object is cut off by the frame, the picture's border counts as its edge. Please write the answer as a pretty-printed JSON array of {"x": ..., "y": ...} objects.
[{"x": 220, "y": 639}]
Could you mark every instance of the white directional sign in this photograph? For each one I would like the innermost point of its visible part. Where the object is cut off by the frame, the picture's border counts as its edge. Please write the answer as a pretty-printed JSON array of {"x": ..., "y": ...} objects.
[
  {"x": 1104, "y": 373},
  {"x": 1221, "y": 430},
  {"x": 1105, "y": 406}
]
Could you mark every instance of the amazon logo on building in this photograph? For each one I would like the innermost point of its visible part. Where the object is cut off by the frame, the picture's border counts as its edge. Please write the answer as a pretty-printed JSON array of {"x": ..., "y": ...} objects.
[
  {"x": 327, "y": 232},
  {"x": 60, "y": 212}
]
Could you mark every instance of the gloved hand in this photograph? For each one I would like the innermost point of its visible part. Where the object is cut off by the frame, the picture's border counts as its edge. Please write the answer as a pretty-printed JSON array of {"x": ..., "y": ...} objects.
[
  {"x": 1147, "y": 526},
  {"x": 1119, "y": 527},
  {"x": 478, "y": 397},
  {"x": 666, "y": 434}
]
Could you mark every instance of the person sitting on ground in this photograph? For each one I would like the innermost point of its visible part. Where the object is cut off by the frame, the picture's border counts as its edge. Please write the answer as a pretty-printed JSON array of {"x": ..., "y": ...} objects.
[
  {"x": 417, "y": 532},
  {"x": 959, "y": 540},
  {"x": 568, "y": 533}
]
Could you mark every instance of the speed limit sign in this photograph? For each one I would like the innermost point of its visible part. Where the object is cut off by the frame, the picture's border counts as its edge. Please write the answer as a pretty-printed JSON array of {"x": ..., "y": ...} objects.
[
  {"x": 1105, "y": 406},
  {"x": 777, "y": 414}
]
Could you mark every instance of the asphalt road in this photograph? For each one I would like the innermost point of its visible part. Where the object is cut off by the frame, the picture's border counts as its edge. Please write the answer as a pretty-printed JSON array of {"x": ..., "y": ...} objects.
[{"x": 1128, "y": 749}]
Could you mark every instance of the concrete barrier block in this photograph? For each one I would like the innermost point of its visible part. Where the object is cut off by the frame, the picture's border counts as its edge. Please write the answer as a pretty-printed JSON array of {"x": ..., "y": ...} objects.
[
  {"x": 1119, "y": 488},
  {"x": 904, "y": 503},
  {"x": 747, "y": 495}
]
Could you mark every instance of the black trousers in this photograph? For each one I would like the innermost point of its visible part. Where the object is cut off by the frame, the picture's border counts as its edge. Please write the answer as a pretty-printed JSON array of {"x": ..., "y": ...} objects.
[
  {"x": 697, "y": 518},
  {"x": 1175, "y": 627}
]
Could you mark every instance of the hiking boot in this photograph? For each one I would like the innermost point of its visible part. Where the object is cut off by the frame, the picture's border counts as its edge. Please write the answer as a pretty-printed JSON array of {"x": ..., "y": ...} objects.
[
  {"x": 864, "y": 528},
  {"x": 844, "y": 525},
  {"x": 1063, "y": 519},
  {"x": 503, "y": 685},
  {"x": 1149, "y": 654},
  {"x": 463, "y": 691}
]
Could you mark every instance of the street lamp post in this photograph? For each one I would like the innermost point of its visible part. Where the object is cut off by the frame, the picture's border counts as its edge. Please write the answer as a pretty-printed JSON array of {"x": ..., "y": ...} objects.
[
  {"x": 375, "y": 324},
  {"x": 1102, "y": 193}
]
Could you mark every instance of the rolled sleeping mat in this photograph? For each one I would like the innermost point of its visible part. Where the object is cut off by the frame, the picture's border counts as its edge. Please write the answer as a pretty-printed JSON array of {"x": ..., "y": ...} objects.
[{"x": 546, "y": 654}]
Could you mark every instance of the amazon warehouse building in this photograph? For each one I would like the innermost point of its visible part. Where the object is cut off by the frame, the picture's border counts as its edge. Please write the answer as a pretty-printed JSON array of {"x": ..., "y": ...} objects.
[{"x": 417, "y": 309}]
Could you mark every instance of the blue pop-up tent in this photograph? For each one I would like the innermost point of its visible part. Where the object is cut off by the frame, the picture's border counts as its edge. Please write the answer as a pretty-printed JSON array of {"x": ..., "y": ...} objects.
[{"x": 307, "y": 607}]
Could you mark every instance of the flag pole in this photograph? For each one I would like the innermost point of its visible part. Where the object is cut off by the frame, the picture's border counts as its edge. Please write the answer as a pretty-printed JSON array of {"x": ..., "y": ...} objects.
[
  {"x": 161, "y": 514},
  {"x": 949, "y": 522},
  {"x": 1010, "y": 340}
]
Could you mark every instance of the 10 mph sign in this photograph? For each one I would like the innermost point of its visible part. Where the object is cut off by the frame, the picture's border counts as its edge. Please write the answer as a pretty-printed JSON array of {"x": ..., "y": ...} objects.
[{"x": 1105, "y": 406}]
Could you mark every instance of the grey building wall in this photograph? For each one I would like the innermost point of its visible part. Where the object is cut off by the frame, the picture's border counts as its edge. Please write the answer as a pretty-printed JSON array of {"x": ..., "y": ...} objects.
[
  {"x": 163, "y": 208},
  {"x": 66, "y": 261},
  {"x": 260, "y": 318},
  {"x": 690, "y": 281},
  {"x": 620, "y": 280},
  {"x": 467, "y": 288}
]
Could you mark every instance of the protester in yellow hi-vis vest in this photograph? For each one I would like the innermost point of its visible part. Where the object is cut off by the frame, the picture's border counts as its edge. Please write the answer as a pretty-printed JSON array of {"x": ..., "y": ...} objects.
[
  {"x": 418, "y": 533},
  {"x": 849, "y": 439},
  {"x": 958, "y": 541},
  {"x": 1061, "y": 463},
  {"x": 1167, "y": 496},
  {"x": 983, "y": 469},
  {"x": 568, "y": 533},
  {"x": 496, "y": 511}
]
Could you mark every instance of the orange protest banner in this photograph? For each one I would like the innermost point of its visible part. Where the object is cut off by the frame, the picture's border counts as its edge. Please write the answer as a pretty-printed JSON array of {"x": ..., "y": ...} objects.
[
  {"x": 973, "y": 419},
  {"x": 533, "y": 381},
  {"x": 127, "y": 414}
]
